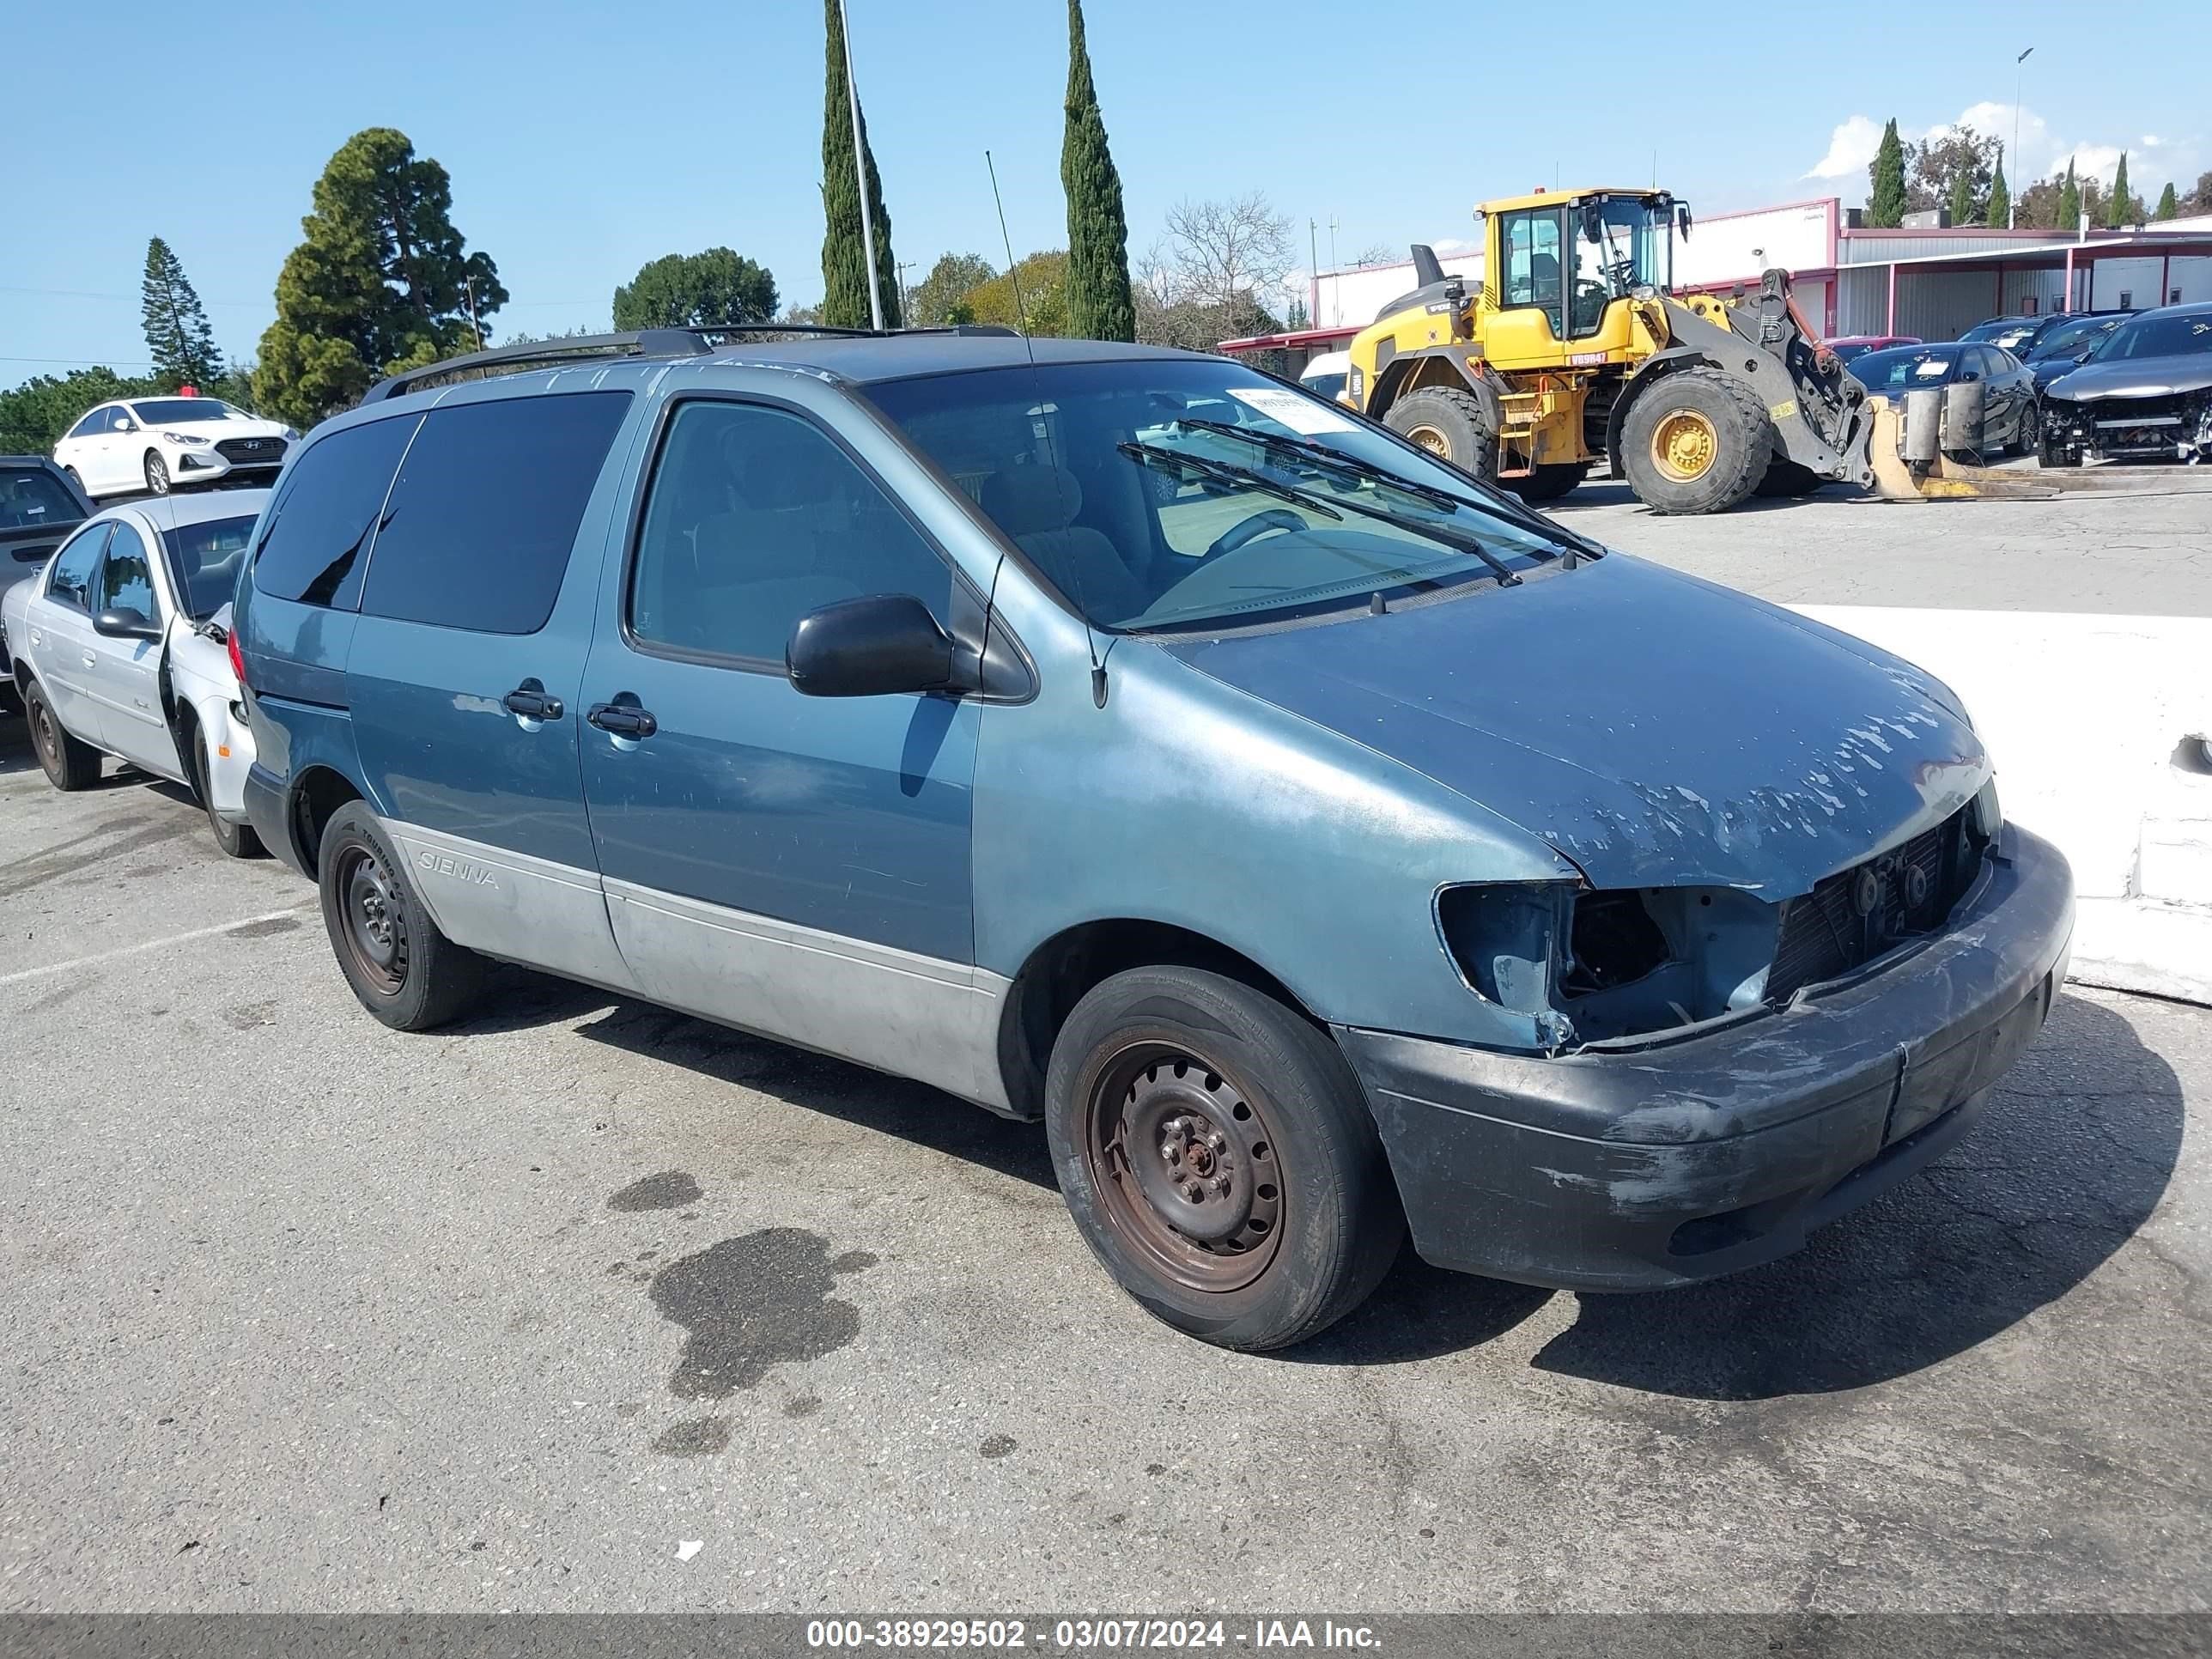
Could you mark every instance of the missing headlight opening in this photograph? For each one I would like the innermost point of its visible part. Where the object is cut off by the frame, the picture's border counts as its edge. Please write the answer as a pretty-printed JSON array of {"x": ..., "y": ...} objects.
[{"x": 1595, "y": 966}]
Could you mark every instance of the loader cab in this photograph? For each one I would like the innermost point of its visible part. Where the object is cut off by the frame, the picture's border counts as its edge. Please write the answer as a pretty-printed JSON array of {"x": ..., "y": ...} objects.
[{"x": 1557, "y": 264}]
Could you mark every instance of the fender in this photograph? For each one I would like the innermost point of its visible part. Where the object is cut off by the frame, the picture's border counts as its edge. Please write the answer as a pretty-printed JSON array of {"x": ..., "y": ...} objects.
[{"x": 1393, "y": 371}]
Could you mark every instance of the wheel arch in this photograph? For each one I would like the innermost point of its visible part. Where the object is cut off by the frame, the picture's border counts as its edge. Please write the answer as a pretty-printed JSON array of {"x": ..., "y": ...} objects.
[
  {"x": 314, "y": 798},
  {"x": 1060, "y": 972},
  {"x": 1416, "y": 371}
]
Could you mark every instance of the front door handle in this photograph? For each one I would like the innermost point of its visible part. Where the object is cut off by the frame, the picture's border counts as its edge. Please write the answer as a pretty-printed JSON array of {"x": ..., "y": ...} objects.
[
  {"x": 622, "y": 719},
  {"x": 529, "y": 700}
]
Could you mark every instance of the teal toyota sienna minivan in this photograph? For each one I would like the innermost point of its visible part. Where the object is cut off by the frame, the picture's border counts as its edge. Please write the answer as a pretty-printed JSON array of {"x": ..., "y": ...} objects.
[{"x": 1323, "y": 845}]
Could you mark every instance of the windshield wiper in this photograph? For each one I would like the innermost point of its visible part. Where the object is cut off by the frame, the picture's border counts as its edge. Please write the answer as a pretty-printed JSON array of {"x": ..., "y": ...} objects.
[
  {"x": 1227, "y": 472},
  {"x": 1322, "y": 456},
  {"x": 1457, "y": 539}
]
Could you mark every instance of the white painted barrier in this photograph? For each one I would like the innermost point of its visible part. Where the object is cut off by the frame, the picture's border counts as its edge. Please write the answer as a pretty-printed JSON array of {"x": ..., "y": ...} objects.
[{"x": 2098, "y": 725}]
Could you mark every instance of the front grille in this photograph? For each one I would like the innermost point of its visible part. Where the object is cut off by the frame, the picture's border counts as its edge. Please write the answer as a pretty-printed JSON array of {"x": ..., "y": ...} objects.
[
  {"x": 1855, "y": 915},
  {"x": 252, "y": 451}
]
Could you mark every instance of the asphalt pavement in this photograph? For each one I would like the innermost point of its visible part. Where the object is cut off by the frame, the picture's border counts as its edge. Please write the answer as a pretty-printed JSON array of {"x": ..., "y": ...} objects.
[{"x": 304, "y": 1314}]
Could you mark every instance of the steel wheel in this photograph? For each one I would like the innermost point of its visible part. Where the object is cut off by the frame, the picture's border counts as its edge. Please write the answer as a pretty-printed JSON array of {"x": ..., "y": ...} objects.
[
  {"x": 157, "y": 474},
  {"x": 1431, "y": 440},
  {"x": 1684, "y": 446},
  {"x": 45, "y": 735},
  {"x": 374, "y": 922},
  {"x": 1185, "y": 1167}
]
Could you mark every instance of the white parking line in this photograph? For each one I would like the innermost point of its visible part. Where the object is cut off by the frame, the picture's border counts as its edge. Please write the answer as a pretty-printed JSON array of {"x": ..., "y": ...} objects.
[{"x": 22, "y": 974}]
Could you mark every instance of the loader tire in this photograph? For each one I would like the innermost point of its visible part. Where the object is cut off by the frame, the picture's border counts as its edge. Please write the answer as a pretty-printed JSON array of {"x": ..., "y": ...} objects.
[
  {"x": 1697, "y": 443},
  {"x": 1457, "y": 425},
  {"x": 1788, "y": 479},
  {"x": 1548, "y": 483}
]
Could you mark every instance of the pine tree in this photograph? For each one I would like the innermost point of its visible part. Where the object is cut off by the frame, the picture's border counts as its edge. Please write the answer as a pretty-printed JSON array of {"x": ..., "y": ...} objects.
[
  {"x": 1885, "y": 206},
  {"x": 1099, "y": 303},
  {"x": 2000, "y": 208},
  {"x": 1962, "y": 198},
  {"x": 844, "y": 256},
  {"x": 2120, "y": 209},
  {"x": 2168, "y": 207},
  {"x": 178, "y": 336},
  {"x": 2070, "y": 202}
]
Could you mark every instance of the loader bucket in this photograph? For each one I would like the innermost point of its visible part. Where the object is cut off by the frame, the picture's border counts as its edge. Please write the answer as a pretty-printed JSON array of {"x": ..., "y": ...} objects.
[{"x": 1899, "y": 477}]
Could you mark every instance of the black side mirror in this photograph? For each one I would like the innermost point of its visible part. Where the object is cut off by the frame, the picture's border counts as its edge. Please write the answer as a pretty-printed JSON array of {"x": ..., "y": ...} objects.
[
  {"x": 125, "y": 622},
  {"x": 1682, "y": 219},
  {"x": 873, "y": 647}
]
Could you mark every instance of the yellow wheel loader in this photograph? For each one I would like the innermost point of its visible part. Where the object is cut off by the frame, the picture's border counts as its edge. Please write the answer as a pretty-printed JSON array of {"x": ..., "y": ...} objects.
[{"x": 1577, "y": 349}]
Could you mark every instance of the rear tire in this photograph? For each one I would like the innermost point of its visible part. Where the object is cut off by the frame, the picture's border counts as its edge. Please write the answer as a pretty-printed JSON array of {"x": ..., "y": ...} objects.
[
  {"x": 1549, "y": 483},
  {"x": 77, "y": 478},
  {"x": 1169, "y": 1080},
  {"x": 238, "y": 840},
  {"x": 69, "y": 765},
  {"x": 1457, "y": 425},
  {"x": 1697, "y": 441},
  {"x": 405, "y": 972}
]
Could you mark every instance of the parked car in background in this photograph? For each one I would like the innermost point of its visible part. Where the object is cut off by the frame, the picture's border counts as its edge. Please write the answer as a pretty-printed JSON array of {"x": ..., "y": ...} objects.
[
  {"x": 120, "y": 646},
  {"x": 1852, "y": 347},
  {"x": 158, "y": 444},
  {"x": 2072, "y": 343},
  {"x": 2008, "y": 419},
  {"x": 40, "y": 504},
  {"x": 2147, "y": 393},
  {"x": 1335, "y": 845},
  {"x": 1326, "y": 374},
  {"x": 2017, "y": 335}
]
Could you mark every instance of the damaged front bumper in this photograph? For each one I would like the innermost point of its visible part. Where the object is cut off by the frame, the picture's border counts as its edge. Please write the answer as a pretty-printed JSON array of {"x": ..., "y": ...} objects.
[{"x": 1676, "y": 1162}]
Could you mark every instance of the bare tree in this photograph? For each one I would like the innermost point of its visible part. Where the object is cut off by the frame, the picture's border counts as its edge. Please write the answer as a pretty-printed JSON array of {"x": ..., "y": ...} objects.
[
  {"x": 1378, "y": 254},
  {"x": 1217, "y": 251}
]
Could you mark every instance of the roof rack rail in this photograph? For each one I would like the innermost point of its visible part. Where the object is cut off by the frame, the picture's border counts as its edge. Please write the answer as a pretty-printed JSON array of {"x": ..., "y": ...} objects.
[{"x": 636, "y": 343}]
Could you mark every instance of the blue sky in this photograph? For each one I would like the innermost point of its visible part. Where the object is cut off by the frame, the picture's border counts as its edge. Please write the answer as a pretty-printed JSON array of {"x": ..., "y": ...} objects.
[{"x": 581, "y": 145}]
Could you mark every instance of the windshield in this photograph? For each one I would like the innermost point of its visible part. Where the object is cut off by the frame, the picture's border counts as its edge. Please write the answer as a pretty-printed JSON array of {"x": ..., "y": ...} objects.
[
  {"x": 33, "y": 499},
  {"x": 2005, "y": 331},
  {"x": 203, "y": 561},
  {"x": 1623, "y": 243},
  {"x": 1117, "y": 483},
  {"x": 1901, "y": 367},
  {"x": 2180, "y": 335},
  {"x": 2071, "y": 339},
  {"x": 183, "y": 411}
]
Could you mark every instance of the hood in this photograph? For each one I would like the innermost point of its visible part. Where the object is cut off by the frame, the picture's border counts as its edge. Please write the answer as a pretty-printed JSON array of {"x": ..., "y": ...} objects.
[
  {"x": 2135, "y": 376},
  {"x": 1652, "y": 728}
]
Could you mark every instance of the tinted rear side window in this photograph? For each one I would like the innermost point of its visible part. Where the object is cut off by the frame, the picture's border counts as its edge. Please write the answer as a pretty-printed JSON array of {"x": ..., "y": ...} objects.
[
  {"x": 320, "y": 524},
  {"x": 486, "y": 508}
]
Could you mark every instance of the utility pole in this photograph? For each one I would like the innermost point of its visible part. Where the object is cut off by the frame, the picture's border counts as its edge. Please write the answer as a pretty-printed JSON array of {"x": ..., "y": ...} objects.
[
  {"x": 469, "y": 290},
  {"x": 860, "y": 173},
  {"x": 905, "y": 291},
  {"x": 2019, "y": 74},
  {"x": 1313, "y": 255}
]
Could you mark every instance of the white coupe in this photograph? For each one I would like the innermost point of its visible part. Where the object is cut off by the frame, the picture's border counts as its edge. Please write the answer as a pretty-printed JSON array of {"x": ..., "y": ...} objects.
[{"x": 160, "y": 444}]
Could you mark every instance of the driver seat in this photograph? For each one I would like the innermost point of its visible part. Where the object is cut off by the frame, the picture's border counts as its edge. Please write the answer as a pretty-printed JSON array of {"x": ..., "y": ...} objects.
[{"x": 1037, "y": 505}]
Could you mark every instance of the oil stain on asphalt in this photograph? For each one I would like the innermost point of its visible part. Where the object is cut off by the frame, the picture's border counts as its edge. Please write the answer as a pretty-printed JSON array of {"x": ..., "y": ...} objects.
[
  {"x": 671, "y": 1190},
  {"x": 750, "y": 1303}
]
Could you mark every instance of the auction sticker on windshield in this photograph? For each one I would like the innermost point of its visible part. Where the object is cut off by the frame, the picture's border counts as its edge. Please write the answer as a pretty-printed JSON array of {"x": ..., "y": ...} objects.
[{"x": 1299, "y": 413}]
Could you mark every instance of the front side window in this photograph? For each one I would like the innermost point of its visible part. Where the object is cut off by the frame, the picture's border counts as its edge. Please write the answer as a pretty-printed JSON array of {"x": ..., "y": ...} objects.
[
  {"x": 477, "y": 533},
  {"x": 203, "y": 561},
  {"x": 320, "y": 524},
  {"x": 1170, "y": 494},
  {"x": 70, "y": 584},
  {"x": 1532, "y": 262},
  {"x": 755, "y": 517},
  {"x": 126, "y": 581}
]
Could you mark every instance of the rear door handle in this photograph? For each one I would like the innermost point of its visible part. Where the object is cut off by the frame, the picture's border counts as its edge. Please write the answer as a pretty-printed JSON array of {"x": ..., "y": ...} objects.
[
  {"x": 529, "y": 700},
  {"x": 622, "y": 719}
]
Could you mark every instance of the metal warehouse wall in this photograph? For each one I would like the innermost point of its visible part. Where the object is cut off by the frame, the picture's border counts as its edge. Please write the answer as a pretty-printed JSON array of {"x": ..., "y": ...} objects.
[
  {"x": 2046, "y": 288},
  {"x": 1942, "y": 304},
  {"x": 1863, "y": 300}
]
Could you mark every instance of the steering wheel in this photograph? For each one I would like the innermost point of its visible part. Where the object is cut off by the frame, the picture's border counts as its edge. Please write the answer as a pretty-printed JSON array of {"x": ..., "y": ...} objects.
[{"x": 1251, "y": 529}]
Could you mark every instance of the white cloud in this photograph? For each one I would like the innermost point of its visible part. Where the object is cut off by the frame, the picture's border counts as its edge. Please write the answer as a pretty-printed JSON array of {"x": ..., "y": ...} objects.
[
  {"x": 2098, "y": 161},
  {"x": 1850, "y": 149}
]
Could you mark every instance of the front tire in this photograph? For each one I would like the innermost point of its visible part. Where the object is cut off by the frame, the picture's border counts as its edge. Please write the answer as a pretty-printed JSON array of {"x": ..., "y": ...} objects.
[
  {"x": 405, "y": 972},
  {"x": 69, "y": 765},
  {"x": 157, "y": 474},
  {"x": 1696, "y": 442},
  {"x": 237, "y": 841},
  {"x": 1458, "y": 425},
  {"x": 1169, "y": 1082}
]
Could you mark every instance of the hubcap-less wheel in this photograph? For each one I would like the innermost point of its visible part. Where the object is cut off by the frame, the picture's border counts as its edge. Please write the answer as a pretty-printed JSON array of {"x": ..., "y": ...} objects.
[
  {"x": 157, "y": 475},
  {"x": 1432, "y": 441},
  {"x": 45, "y": 734},
  {"x": 1684, "y": 446},
  {"x": 375, "y": 930},
  {"x": 1185, "y": 1167}
]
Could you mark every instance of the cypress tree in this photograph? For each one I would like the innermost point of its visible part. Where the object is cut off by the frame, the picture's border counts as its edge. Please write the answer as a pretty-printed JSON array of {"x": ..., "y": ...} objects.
[
  {"x": 844, "y": 256},
  {"x": 2120, "y": 210},
  {"x": 1099, "y": 303},
  {"x": 177, "y": 332},
  {"x": 1962, "y": 198},
  {"x": 2070, "y": 202},
  {"x": 2168, "y": 208},
  {"x": 1886, "y": 207},
  {"x": 1999, "y": 210}
]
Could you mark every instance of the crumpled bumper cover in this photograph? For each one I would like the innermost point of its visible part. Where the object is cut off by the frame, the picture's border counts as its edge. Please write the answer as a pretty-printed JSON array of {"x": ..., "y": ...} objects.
[{"x": 1677, "y": 1162}]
